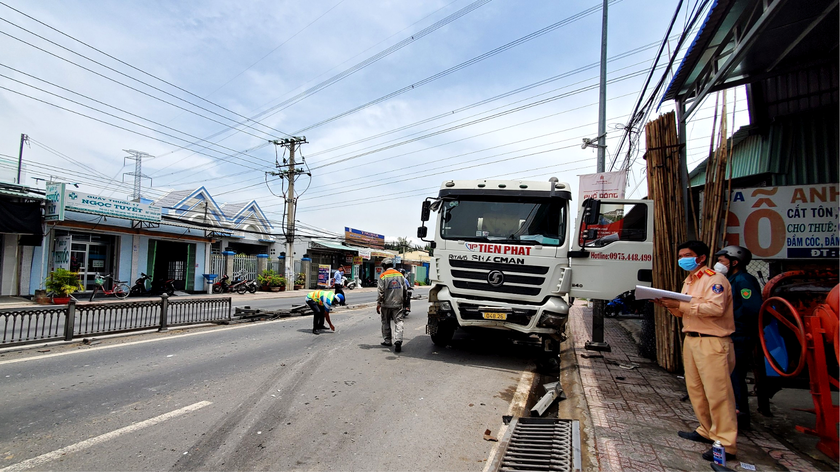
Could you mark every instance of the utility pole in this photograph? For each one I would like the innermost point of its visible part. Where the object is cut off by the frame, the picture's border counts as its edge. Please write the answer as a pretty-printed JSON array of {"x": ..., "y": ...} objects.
[
  {"x": 291, "y": 174},
  {"x": 602, "y": 98},
  {"x": 138, "y": 157},
  {"x": 23, "y": 139},
  {"x": 598, "y": 306}
]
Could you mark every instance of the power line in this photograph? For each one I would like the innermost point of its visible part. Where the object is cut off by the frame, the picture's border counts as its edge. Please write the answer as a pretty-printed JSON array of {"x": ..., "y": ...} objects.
[{"x": 126, "y": 64}]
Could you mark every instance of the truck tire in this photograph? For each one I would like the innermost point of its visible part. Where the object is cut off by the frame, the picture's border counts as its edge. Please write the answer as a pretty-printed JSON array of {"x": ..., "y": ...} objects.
[{"x": 443, "y": 335}]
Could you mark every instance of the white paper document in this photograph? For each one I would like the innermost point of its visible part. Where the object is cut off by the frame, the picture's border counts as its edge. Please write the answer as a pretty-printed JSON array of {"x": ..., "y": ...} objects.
[{"x": 648, "y": 293}]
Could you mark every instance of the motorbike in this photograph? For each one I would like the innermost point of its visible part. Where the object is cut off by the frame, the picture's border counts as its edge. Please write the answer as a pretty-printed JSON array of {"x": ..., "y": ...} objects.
[
  {"x": 351, "y": 284},
  {"x": 625, "y": 303},
  {"x": 250, "y": 286},
  {"x": 142, "y": 286},
  {"x": 223, "y": 285}
]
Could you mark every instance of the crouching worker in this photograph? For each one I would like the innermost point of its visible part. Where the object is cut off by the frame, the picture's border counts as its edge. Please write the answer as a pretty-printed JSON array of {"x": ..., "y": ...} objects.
[{"x": 321, "y": 302}]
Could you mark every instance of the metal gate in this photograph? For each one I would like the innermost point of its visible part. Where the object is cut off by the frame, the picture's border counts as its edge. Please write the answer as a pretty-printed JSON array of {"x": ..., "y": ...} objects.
[
  {"x": 217, "y": 264},
  {"x": 245, "y": 267},
  {"x": 539, "y": 444}
]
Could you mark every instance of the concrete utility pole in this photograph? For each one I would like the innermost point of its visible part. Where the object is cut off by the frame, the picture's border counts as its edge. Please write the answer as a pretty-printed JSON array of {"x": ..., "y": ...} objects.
[
  {"x": 602, "y": 98},
  {"x": 291, "y": 174},
  {"x": 23, "y": 139}
]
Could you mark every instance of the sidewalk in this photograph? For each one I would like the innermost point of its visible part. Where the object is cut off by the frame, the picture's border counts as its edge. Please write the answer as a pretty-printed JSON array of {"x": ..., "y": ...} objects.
[{"x": 634, "y": 414}]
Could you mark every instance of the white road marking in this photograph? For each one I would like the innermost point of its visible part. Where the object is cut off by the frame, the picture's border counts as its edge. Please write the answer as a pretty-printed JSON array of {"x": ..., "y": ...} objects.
[
  {"x": 51, "y": 456},
  {"x": 517, "y": 406}
]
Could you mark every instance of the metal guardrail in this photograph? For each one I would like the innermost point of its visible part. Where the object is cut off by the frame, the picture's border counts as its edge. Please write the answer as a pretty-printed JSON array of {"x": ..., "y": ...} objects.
[
  {"x": 27, "y": 325},
  {"x": 44, "y": 323}
]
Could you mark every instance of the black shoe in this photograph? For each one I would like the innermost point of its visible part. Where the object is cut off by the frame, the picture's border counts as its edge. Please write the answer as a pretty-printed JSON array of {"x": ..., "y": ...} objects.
[
  {"x": 695, "y": 436},
  {"x": 710, "y": 455},
  {"x": 386, "y": 344},
  {"x": 315, "y": 331},
  {"x": 398, "y": 346},
  {"x": 322, "y": 327}
]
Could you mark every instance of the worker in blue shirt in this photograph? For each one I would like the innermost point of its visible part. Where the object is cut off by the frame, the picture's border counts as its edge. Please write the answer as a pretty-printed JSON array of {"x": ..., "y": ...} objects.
[{"x": 746, "y": 303}]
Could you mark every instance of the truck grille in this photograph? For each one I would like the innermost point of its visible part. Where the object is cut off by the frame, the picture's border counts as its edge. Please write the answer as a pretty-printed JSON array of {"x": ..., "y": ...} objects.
[
  {"x": 539, "y": 444},
  {"x": 519, "y": 279},
  {"x": 470, "y": 311}
]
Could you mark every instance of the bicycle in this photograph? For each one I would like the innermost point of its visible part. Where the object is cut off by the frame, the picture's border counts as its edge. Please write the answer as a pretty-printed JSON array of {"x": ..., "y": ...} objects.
[{"x": 119, "y": 288}]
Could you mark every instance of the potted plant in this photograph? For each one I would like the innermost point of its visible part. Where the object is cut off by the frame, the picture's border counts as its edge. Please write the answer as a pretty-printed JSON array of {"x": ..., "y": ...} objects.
[
  {"x": 270, "y": 280},
  {"x": 62, "y": 282},
  {"x": 300, "y": 279}
]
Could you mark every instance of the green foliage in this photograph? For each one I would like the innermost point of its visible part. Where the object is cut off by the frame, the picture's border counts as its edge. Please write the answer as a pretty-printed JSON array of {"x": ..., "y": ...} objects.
[
  {"x": 300, "y": 278},
  {"x": 63, "y": 282},
  {"x": 270, "y": 278}
]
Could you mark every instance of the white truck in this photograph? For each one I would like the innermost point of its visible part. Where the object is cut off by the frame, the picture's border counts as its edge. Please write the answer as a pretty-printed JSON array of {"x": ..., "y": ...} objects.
[{"x": 507, "y": 258}]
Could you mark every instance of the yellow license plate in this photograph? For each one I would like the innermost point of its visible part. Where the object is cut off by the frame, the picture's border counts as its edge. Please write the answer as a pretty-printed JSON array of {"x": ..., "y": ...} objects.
[{"x": 495, "y": 316}]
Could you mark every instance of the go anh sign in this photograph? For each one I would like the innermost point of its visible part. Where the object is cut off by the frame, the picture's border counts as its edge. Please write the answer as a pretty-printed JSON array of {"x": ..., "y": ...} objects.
[
  {"x": 83, "y": 202},
  {"x": 794, "y": 222}
]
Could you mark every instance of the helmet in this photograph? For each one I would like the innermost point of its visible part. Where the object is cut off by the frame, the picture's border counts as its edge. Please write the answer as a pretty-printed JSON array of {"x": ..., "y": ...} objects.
[
  {"x": 339, "y": 297},
  {"x": 387, "y": 263},
  {"x": 741, "y": 254},
  {"x": 402, "y": 271}
]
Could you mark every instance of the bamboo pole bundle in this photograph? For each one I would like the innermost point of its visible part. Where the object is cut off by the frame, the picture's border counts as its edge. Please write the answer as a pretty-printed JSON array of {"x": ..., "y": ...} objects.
[
  {"x": 715, "y": 192},
  {"x": 663, "y": 177}
]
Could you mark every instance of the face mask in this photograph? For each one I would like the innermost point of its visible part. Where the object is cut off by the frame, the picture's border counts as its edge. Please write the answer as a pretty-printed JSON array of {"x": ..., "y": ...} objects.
[
  {"x": 720, "y": 268},
  {"x": 688, "y": 263}
]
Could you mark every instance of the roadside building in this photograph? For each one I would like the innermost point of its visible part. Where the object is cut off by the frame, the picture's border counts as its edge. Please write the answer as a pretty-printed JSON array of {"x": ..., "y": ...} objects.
[{"x": 21, "y": 233}]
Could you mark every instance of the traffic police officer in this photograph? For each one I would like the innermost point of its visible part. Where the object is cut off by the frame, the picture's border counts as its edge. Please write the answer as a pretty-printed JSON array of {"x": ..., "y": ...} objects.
[
  {"x": 746, "y": 303},
  {"x": 708, "y": 353}
]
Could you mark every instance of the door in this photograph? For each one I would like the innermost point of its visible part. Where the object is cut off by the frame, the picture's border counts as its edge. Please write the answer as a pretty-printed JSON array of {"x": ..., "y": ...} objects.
[{"x": 614, "y": 252}]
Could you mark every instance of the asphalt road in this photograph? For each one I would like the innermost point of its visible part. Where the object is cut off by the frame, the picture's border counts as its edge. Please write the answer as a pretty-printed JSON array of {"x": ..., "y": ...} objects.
[{"x": 259, "y": 396}]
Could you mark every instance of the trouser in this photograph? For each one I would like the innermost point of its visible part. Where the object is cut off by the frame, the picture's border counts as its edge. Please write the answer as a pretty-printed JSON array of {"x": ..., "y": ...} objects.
[
  {"x": 407, "y": 300},
  {"x": 709, "y": 361},
  {"x": 318, "y": 314},
  {"x": 396, "y": 314},
  {"x": 743, "y": 363}
]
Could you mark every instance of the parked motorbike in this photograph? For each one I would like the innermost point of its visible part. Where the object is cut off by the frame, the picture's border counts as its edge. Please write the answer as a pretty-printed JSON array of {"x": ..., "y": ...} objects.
[
  {"x": 351, "y": 284},
  {"x": 223, "y": 285},
  {"x": 250, "y": 286},
  {"x": 625, "y": 303},
  {"x": 142, "y": 286},
  {"x": 167, "y": 287}
]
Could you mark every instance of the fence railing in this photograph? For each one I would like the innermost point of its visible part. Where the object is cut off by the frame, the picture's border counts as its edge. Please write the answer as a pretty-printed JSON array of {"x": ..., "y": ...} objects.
[
  {"x": 26, "y": 325},
  {"x": 217, "y": 264},
  {"x": 245, "y": 266}
]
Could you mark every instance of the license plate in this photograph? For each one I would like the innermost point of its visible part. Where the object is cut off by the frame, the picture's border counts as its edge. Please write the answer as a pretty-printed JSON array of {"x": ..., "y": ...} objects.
[{"x": 494, "y": 316}]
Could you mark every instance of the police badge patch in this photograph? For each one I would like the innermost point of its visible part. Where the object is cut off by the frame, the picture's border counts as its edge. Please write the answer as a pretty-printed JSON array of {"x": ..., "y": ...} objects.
[
  {"x": 746, "y": 293},
  {"x": 717, "y": 288}
]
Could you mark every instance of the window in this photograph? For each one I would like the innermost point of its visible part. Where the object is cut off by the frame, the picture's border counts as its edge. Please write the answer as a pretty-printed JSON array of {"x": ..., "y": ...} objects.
[
  {"x": 618, "y": 222},
  {"x": 512, "y": 221}
]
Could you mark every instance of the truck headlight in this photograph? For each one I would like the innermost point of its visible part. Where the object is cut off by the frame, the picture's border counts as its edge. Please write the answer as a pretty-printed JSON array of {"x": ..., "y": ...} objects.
[{"x": 446, "y": 306}]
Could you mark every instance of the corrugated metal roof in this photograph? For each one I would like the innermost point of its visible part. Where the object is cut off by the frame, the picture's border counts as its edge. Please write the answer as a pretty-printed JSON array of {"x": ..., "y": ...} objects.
[{"x": 796, "y": 150}]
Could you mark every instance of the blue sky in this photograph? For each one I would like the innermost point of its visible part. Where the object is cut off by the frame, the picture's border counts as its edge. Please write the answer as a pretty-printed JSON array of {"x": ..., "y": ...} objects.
[{"x": 224, "y": 61}]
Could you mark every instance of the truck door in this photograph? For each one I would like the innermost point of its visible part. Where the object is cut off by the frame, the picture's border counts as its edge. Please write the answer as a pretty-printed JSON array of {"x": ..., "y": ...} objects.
[{"x": 612, "y": 248}]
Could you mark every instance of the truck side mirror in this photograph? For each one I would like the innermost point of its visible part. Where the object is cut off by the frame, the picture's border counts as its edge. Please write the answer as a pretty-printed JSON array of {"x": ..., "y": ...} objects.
[
  {"x": 422, "y": 231},
  {"x": 591, "y": 211},
  {"x": 426, "y": 210}
]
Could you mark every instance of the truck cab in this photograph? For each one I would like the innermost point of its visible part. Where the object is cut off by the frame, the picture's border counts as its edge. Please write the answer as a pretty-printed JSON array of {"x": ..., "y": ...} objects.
[{"x": 506, "y": 256}]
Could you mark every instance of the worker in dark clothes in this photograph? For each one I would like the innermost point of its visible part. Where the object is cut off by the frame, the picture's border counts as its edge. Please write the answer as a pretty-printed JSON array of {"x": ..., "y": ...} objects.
[{"x": 746, "y": 303}]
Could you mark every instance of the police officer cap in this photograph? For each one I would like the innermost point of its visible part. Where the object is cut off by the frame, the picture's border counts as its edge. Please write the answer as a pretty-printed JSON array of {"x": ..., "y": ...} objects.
[
  {"x": 387, "y": 262},
  {"x": 739, "y": 253}
]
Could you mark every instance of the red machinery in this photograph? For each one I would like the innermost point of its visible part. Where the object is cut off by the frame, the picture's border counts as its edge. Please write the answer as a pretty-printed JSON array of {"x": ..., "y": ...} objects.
[{"x": 815, "y": 326}]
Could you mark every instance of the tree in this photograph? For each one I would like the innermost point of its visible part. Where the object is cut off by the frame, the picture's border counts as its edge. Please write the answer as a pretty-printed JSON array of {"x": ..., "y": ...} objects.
[{"x": 428, "y": 248}]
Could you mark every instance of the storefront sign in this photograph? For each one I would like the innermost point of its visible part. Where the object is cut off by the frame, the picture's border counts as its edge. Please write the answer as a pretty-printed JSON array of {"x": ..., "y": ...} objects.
[
  {"x": 355, "y": 236},
  {"x": 357, "y": 260},
  {"x": 323, "y": 274},
  {"x": 364, "y": 254},
  {"x": 603, "y": 185},
  {"x": 96, "y": 205},
  {"x": 793, "y": 222},
  {"x": 54, "y": 209},
  {"x": 61, "y": 254},
  {"x": 348, "y": 259}
]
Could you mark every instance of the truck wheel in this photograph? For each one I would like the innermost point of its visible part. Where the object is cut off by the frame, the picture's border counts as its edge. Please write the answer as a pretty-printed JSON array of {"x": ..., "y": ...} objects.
[{"x": 443, "y": 334}]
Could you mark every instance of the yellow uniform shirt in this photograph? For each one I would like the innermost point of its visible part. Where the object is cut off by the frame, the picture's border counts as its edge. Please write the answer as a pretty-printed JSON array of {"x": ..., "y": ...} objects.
[{"x": 710, "y": 308}]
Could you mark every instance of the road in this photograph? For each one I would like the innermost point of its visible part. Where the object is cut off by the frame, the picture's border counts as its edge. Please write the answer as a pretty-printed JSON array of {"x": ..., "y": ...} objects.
[{"x": 259, "y": 396}]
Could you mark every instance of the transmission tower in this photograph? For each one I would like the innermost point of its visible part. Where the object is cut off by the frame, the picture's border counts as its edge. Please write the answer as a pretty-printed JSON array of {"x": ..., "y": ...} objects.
[{"x": 137, "y": 157}]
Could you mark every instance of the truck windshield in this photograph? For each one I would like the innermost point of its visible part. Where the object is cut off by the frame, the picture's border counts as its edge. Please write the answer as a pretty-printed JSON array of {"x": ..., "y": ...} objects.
[{"x": 517, "y": 221}]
